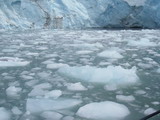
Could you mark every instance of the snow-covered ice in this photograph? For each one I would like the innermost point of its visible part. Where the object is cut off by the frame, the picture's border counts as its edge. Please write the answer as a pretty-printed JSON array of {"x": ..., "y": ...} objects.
[
  {"x": 103, "y": 110},
  {"x": 136, "y": 2}
]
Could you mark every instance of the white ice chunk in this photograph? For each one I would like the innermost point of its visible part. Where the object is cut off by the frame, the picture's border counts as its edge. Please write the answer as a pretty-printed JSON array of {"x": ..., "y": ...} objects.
[
  {"x": 110, "y": 75},
  {"x": 40, "y": 89},
  {"x": 142, "y": 43},
  {"x": 103, "y": 110},
  {"x": 4, "y": 114},
  {"x": 83, "y": 52},
  {"x": 110, "y": 87},
  {"x": 40, "y": 105},
  {"x": 149, "y": 111},
  {"x": 89, "y": 46},
  {"x": 33, "y": 54},
  {"x": 53, "y": 94},
  {"x": 158, "y": 71},
  {"x": 155, "y": 103},
  {"x": 13, "y": 91},
  {"x": 123, "y": 98},
  {"x": 140, "y": 92},
  {"x": 12, "y": 62},
  {"x": 55, "y": 65},
  {"x": 112, "y": 54},
  {"x": 16, "y": 111},
  {"x": 76, "y": 87},
  {"x": 49, "y": 115}
]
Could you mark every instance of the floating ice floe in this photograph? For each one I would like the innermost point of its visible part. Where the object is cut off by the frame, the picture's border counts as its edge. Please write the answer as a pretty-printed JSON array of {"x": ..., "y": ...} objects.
[
  {"x": 53, "y": 94},
  {"x": 55, "y": 65},
  {"x": 104, "y": 111},
  {"x": 4, "y": 114},
  {"x": 158, "y": 70},
  {"x": 40, "y": 105},
  {"x": 110, "y": 87},
  {"x": 149, "y": 111},
  {"x": 112, "y": 54},
  {"x": 16, "y": 111},
  {"x": 142, "y": 43},
  {"x": 89, "y": 46},
  {"x": 76, "y": 87},
  {"x": 50, "y": 115},
  {"x": 123, "y": 98},
  {"x": 84, "y": 52},
  {"x": 40, "y": 89},
  {"x": 140, "y": 92},
  {"x": 12, "y": 62},
  {"x": 13, "y": 91},
  {"x": 110, "y": 75}
]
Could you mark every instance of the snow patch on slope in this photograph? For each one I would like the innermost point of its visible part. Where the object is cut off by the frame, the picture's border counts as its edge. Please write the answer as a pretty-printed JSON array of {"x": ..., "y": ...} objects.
[{"x": 136, "y": 2}]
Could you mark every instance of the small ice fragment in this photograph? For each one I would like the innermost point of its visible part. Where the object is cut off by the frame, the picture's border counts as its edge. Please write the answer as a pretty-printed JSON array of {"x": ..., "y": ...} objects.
[
  {"x": 142, "y": 43},
  {"x": 4, "y": 114},
  {"x": 83, "y": 52},
  {"x": 40, "y": 89},
  {"x": 158, "y": 71},
  {"x": 55, "y": 65},
  {"x": 76, "y": 87},
  {"x": 156, "y": 103},
  {"x": 16, "y": 111},
  {"x": 140, "y": 92},
  {"x": 13, "y": 91},
  {"x": 123, "y": 98},
  {"x": 149, "y": 111},
  {"x": 103, "y": 110},
  {"x": 50, "y": 115},
  {"x": 112, "y": 54},
  {"x": 53, "y": 94},
  {"x": 111, "y": 87}
]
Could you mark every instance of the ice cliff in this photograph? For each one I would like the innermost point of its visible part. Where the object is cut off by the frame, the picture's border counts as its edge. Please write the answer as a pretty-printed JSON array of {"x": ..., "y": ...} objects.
[{"x": 24, "y": 14}]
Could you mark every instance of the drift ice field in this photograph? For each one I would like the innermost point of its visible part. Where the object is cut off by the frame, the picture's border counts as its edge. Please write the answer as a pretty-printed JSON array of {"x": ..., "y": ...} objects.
[{"x": 79, "y": 75}]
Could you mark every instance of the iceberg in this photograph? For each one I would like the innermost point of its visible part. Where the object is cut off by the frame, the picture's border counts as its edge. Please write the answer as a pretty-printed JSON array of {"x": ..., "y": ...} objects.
[{"x": 116, "y": 75}]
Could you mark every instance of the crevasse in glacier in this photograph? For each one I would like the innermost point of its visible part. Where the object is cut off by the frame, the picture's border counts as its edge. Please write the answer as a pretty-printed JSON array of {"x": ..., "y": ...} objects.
[{"x": 79, "y": 13}]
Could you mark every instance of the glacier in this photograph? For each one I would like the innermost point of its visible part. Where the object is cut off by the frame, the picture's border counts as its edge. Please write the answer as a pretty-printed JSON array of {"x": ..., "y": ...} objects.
[{"x": 79, "y": 14}]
